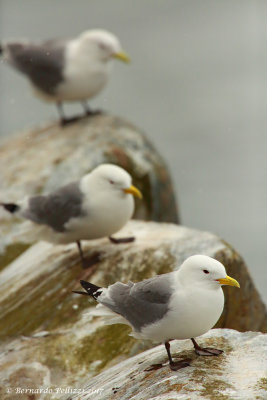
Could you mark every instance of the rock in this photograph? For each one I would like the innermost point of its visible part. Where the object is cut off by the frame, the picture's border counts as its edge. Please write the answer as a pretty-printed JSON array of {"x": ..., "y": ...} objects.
[
  {"x": 239, "y": 373},
  {"x": 43, "y": 159},
  {"x": 43, "y": 322}
]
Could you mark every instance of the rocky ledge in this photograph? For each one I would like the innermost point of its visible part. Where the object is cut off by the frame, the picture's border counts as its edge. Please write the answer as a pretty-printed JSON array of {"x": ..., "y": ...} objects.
[
  {"x": 238, "y": 374},
  {"x": 47, "y": 340}
]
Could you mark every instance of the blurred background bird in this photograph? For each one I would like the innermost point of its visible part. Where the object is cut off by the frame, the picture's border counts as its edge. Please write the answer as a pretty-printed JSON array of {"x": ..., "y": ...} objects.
[
  {"x": 66, "y": 70},
  {"x": 98, "y": 205}
]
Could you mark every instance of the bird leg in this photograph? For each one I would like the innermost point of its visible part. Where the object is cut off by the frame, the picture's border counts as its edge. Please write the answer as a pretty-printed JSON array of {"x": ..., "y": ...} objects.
[
  {"x": 205, "y": 351},
  {"x": 63, "y": 120},
  {"x": 122, "y": 240},
  {"x": 88, "y": 111},
  {"x": 175, "y": 365},
  {"x": 89, "y": 262}
]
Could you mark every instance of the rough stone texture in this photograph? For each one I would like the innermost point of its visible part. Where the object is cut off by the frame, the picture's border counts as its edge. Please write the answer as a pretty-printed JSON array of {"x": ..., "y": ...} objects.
[
  {"x": 43, "y": 159},
  {"x": 46, "y": 341},
  {"x": 239, "y": 373},
  {"x": 42, "y": 323}
]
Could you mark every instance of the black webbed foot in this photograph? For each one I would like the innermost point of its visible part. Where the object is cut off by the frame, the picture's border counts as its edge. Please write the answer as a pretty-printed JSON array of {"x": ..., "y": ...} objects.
[
  {"x": 208, "y": 351},
  {"x": 175, "y": 365},
  {"x": 92, "y": 113},
  {"x": 67, "y": 121},
  {"x": 88, "y": 262},
  {"x": 205, "y": 351},
  {"x": 122, "y": 240},
  {"x": 88, "y": 112}
]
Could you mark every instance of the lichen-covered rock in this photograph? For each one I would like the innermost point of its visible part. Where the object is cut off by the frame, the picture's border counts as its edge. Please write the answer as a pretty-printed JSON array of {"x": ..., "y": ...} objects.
[
  {"x": 42, "y": 321},
  {"x": 239, "y": 373}
]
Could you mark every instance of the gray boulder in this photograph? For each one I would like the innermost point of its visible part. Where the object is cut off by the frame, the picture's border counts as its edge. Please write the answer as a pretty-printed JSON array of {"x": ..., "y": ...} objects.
[{"x": 239, "y": 373}]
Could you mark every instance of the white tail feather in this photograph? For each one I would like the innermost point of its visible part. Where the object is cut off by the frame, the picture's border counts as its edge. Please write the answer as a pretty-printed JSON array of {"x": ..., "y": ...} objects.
[{"x": 108, "y": 316}]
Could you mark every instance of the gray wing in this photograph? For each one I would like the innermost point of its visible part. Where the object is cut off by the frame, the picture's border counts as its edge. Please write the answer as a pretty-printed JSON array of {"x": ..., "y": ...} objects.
[
  {"x": 43, "y": 64},
  {"x": 142, "y": 303},
  {"x": 56, "y": 208}
]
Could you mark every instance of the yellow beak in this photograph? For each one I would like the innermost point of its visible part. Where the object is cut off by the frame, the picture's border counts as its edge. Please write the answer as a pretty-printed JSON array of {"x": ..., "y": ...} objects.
[
  {"x": 122, "y": 56},
  {"x": 134, "y": 191},
  {"x": 228, "y": 281}
]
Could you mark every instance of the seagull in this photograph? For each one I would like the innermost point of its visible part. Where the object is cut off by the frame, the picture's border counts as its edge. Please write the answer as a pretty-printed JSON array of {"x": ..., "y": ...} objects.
[
  {"x": 96, "y": 206},
  {"x": 66, "y": 70},
  {"x": 179, "y": 305}
]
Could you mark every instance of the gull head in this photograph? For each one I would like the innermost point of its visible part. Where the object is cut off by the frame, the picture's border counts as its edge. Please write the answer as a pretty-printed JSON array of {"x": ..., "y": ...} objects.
[
  {"x": 204, "y": 271},
  {"x": 102, "y": 45},
  {"x": 110, "y": 178}
]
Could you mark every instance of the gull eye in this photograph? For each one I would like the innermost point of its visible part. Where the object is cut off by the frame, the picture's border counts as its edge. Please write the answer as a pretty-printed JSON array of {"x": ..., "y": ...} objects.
[
  {"x": 102, "y": 46},
  {"x": 206, "y": 271},
  {"x": 111, "y": 182}
]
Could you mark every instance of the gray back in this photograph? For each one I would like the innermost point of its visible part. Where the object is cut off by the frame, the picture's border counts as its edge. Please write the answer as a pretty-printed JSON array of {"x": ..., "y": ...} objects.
[
  {"x": 43, "y": 64},
  {"x": 56, "y": 208},
  {"x": 142, "y": 303}
]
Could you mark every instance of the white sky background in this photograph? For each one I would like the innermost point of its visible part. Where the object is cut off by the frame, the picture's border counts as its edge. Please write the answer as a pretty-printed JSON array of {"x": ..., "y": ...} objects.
[{"x": 197, "y": 86}]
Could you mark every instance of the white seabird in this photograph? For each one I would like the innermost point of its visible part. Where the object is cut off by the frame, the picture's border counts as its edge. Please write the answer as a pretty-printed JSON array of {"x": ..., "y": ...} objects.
[
  {"x": 70, "y": 70},
  {"x": 179, "y": 305},
  {"x": 98, "y": 205}
]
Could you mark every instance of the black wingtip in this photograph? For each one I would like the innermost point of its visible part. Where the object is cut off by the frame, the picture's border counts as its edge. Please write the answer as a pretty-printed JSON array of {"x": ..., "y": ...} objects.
[
  {"x": 10, "y": 207},
  {"x": 85, "y": 284},
  {"x": 90, "y": 288}
]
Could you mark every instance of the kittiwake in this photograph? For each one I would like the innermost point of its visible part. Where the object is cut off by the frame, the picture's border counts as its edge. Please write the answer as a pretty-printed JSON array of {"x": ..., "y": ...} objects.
[
  {"x": 96, "y": 206},
  {"x": 66, "y": 70},
  {"x": 179, "y": 305}
]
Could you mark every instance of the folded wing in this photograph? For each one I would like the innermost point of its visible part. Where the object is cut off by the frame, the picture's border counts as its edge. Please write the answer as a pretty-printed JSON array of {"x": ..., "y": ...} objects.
[
  {"x": 57, "y": 208},
  {"x": 142, "y": 303}
]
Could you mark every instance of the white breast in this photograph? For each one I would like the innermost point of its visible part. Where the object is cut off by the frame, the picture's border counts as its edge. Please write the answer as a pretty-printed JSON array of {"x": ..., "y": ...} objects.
[
  {"x": 83, "y": 76},
  {"x": 104, "y": 216},
  {"x": 190, "y": 314}
]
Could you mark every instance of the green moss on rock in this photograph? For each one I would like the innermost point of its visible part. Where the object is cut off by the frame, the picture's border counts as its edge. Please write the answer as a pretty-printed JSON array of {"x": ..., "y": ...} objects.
[
  {"x": 211, "y": 390},
  {"x": 105, "y": 345},
  {"x": 262, "y": 384},
  {"x": 11, "y": 252},
  {"x": 47, "y": 304}
]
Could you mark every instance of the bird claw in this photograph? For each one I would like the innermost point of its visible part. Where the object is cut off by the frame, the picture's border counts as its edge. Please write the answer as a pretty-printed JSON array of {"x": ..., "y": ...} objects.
[{"x": 208, "y": 351}]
